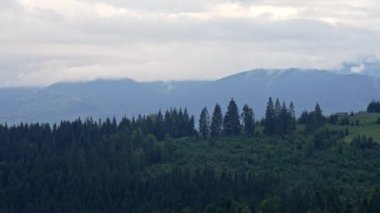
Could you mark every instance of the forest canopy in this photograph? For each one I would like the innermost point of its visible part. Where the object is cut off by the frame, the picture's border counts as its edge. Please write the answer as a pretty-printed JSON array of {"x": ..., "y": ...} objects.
[{"x": 172, "y": 162}]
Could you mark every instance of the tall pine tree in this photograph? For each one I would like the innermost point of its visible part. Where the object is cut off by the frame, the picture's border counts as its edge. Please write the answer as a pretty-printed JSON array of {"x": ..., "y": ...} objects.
[
  {"x": 231, "y": 123},
  {"x": 318, "y": 114},
  {"x": 216, "y": 122},
  {"x": 159, "y": 126},
  {"x": 283, "y": 119},
  {"x": 270, "y": 119},
  {"x": 277, "y": 113},
  {"x": 248, "y": 120},
  {"x": 313, "y": 120},
  {"x": 204, "y": 123},
  {"x": 292, "y": 118}
]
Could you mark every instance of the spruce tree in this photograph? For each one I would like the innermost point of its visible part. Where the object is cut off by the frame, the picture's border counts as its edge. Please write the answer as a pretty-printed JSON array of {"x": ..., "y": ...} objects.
[
  {"x": 374, "y": 107},
  {"x": 174, "y": 121},
  {"x": 216, "y": 122},
  {"x": 181, "y": 123},
  {"x": 168, "y": 123},
  {"x": 204, "y": 123},
  {"x": 231, "y": 123},
  {"x": 248, "y": 121},
  {"x": 188, "y": 128},
  {"x": 270, "y": 118},
  {"x": 318, "y": 115},
  {"x": 159, "y": 126},
  {"x": 283, "y": 119},
  {"x": 277, "y": 113},
  {"x": 277, "y": 108},
  {"x": 292, "y": 118},
  {"x": 191, "y": 125},
  {"x": 314, "y": 119}
]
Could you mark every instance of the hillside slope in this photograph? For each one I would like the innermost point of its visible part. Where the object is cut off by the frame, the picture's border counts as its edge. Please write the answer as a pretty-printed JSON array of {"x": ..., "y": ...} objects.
[{"x": 108, "y": 98}]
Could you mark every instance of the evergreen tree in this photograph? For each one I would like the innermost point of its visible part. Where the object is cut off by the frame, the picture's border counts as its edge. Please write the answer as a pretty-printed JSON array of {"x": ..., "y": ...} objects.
[
  {"x": 313, "y": 120},
  {"x": 248, "y": 121},
  {"x": 174, "y": 122},
  {"x": 270, "y": 119},
  {"x": 333, "y": 119},
  {"x": 374, "y": 107},
  {"x": 188, "y": 123},
  {"x": 204, "y": 123},
  {"x": 159, "y": 124},
  {"x": 231, "y": 123},
  {"x": 277, "y": 113},
  {"x": 283, "y": 120},
  {"x": 277, "y": 108},
  {"x": 168, "y": 122},
  {"x": 318, "y": 115},
  {"x": 216, "y": 122},
  {"x": 181, "y": 123},
  {"x": 292, "y": 118},
  {"x": 191, "y": 125}
]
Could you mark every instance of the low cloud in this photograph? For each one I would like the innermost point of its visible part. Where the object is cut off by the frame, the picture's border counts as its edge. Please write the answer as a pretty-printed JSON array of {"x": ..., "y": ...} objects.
[{"x": 47, "y": 41}]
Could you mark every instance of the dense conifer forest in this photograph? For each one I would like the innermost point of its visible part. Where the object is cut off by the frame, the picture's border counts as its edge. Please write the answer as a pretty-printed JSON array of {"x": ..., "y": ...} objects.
[
  {"x": 374, "y": 106},
  {"x": 172, "y": 162}
]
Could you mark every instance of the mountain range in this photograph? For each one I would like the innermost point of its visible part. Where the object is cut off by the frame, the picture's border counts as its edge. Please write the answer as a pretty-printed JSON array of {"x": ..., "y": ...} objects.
[{"x": 117, "y": 98}]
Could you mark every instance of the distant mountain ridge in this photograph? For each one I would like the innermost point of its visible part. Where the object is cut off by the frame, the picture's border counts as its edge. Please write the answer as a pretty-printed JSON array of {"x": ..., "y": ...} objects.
[{"x": 108, "y": 98}]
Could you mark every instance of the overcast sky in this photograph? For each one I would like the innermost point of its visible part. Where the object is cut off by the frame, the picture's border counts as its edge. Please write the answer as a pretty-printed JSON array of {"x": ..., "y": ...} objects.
[{"x": 46, "y": 41}]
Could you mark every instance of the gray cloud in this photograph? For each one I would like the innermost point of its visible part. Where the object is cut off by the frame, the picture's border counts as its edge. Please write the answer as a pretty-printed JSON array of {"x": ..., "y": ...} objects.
[{"x": 46, "y": 41}]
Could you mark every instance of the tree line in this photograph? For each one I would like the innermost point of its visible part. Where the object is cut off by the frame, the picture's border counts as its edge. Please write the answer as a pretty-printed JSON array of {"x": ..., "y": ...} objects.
[
  {"x": 312, "y": 120},
  {"x": 231, "y": 124},
  {"x": 156, "y": 163},
  {"x": 280, "y": 119},
  {"x": 374, "y": 107}
]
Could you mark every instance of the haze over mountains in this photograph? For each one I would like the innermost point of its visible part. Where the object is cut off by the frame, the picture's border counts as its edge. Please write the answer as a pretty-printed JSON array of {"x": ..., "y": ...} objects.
[{"x": 107, "y": 98}]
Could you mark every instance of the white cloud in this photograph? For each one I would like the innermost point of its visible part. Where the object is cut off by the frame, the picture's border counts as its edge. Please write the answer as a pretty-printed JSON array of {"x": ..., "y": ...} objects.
[
  {"x": 358, "y": 69},
  {"x": 44, "y": 41}
]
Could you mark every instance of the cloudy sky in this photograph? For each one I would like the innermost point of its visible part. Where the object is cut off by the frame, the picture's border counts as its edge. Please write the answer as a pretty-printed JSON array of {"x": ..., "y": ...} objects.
[{"x": 46, "y": 41}]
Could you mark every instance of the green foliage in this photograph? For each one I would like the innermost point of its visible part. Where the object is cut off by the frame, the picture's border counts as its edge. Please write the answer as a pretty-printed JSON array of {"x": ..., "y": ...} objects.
[
  {"x": 279, "y": 120},
  {"x": 176, "y": 123},
  {"x": 271, "y": 205},
  {"x": 204, "y": 123},
  {"x": 313, "y": 120},
  {"x": 270, "y": 118},
  {"x": 364, "y": 142},
  {"x": 333, "y": 119},
  {"x": 107, "y": 167},
  {"x": 224, "y": 205},
  {"x": 345, "y": 121},
  {"x": 156, "y": 164},
  {"x": 374, "y": 107},
  {"x": 216, "y": 122},
  {"x": 248, "y": 121},
  {"x": 231, "y": 122},
  {"x": 363, "y": 124}
]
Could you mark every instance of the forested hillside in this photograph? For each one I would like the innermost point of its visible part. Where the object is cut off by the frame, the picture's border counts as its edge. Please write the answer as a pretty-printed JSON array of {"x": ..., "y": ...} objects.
[{"x": 224, "y": 161}]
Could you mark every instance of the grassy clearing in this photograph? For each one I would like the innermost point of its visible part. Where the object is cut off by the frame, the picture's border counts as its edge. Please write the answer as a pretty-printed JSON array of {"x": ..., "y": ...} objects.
[{"x": 367, "y": 126}]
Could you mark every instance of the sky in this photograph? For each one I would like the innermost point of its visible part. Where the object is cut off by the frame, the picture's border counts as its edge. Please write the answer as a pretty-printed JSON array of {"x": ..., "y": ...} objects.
[{"x": 48, "y": 41}]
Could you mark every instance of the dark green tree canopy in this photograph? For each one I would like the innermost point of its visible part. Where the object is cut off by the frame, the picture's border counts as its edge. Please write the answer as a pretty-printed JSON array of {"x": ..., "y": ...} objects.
[
  {"x": 204, "y": 123},
  {"x": 248, "y": 120},
  {"x": 374, "y": 107},
  {"x": 279, "y": 120},
  {"x": 154, "y": 163},
  {"x": 216, "y": 127},
  {"x": 318, "y": 113},
  {"x": 312, "y": 120},
  {"x": 270, "y": 118},
  {"x": 231, "y": 121}
]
